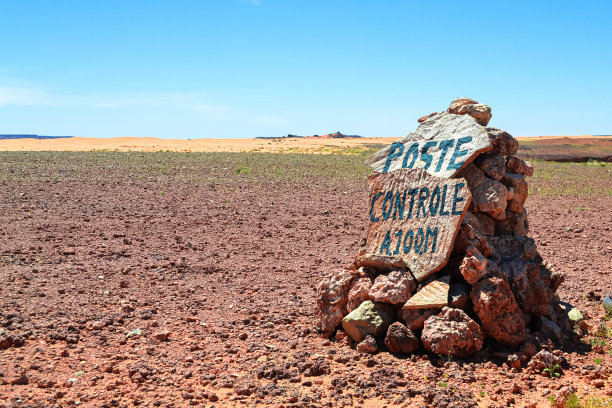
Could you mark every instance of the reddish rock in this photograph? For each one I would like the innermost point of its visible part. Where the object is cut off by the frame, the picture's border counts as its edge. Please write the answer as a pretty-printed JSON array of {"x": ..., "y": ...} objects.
[
  {"x": 368, "y": 345},
  {"x": 513, "y": 224},
  {"x": 452, "y": 333},
  {"x": 518, "y": 183},
  {"x": 498, "y": 310},
  {"x": 530, "y": 291},
  {"x": 474, "y": 265},
  {"x": 544, "y": 359},
  {"x": 490, "y": 197},
  {"x": 487, "y": 224},
  {"x": 395, "y": 287},
  {"x": 332, "y": 298},
  {"x": 466, "y": 106},
  {"x": 473, "y": 175},
  {"x": 358, "y": 293},
  {"x": 401, "y": 339},
  {"x": 162, "y": 335},
  {"x": 415, "y": 318},
  {"x": 424, "y": 118},
  {"x": 519, "y": 166},
  {"x": 457, "y": 103},
  {"x": 503, "y": 143},
  {"x": 493, "y": 166}
]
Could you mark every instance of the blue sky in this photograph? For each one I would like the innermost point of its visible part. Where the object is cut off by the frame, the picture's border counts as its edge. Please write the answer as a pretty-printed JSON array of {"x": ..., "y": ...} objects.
[{"x": 246, "y": 68}]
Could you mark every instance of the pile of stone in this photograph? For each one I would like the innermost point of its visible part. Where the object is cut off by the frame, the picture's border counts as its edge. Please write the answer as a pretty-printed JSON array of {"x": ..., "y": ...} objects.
[{"x": 448, "y": 263}]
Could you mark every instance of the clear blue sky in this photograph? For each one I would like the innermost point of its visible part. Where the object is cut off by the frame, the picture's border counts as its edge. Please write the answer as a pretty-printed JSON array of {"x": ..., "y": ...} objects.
[{"x": 232, "y": 68}]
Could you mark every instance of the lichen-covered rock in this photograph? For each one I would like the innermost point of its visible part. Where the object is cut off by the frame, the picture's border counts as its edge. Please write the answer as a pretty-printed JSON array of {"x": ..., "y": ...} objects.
[
  {"x": 415, "y": 318},
  {"x": 400, "y": 339},
  {"x": 332, "y": 297},
  {"x": 514, "y": 223},
  {"x": 503, "y": 143},
  {"x": 395, "y": 287},
  {"x": 490, "y": 197},
  {"x": 518, "y": 183},
  {"x": 493, "y": 166},
  {"x": 358, "y": 293},
  {"x": 369, "y": 318},
  {"x": 368, "y": 345},
  {"x": 424, "y": 118},
  {"x": 498, "y": 310},
  {"x": 474, "y": 265},
  {"x": 519, "y": 166},
  {"x": 530, "y": 291},
  {"x": 452, "y": 333}
]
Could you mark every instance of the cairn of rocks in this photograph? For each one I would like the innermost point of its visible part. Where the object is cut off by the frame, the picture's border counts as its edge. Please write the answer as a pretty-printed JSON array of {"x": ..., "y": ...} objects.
[{"x": 461, "y": 270}]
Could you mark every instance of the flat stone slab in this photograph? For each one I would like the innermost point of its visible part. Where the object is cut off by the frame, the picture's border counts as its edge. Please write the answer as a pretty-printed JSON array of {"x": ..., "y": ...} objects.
[
  {"x": 442, "y": 145},
  {"x": 414, "y": 219},
  {"x": 432, "y": 295}
]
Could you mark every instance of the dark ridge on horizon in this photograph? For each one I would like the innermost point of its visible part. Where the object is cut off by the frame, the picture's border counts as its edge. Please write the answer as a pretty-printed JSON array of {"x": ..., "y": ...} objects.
[
  {"x": 336, "y": 135},
  {"x": 4, "y": 137}
]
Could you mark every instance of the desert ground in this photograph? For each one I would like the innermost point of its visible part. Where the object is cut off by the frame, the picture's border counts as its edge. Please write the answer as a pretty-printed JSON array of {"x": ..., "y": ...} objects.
[{"x": 152, "y": 278}]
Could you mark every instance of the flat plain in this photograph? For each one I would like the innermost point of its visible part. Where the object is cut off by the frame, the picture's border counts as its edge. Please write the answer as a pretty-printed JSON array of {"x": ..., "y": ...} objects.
[{"x": 189, "y": 279}]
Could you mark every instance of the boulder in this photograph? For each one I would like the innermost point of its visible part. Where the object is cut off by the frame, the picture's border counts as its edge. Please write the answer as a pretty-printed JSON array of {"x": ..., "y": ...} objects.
[
  {"x": 530, "y": 291},
  {"x": 487, "y": 224},
  {"x": 401, "y": 339},
  {"x": 394, "y": 287},
  {"x": 332, "y": 297},
  {"x": 492, "y": 165},
  {"x": 519, "y": 166},
  {"x": 514, "y": 223},
  {"x": 503, "y": 143},
  {"x": 474, "y": 265},
  {"x": 369, "y": 318},
  {"x": 452, "y": 333},
  {"x": 473, "y": 175},
  {"x": 490, "y": 197},
  {"x": 466, "y": 106},
  {"x": 424, "y": 118},
  {"x": 518, "y": 183},
  {"x": 358, "y": 293},
  {"x": 415, "y": 318},
  {"x": 368, "y": 345},
  {"x": 498, "y": 311}
]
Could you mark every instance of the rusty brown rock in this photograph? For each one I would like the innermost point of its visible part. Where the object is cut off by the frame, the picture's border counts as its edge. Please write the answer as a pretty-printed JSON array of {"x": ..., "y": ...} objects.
[
  {"x": 424, "y": 118},
  {"x": 519, "y": 166},
  {"x": 452, "y": 333},
  {"x": 332, "y": 297},
  {"x": 474, "y": 265},
  {"x": 490, "y": 197},
  {"x": 432, "y": 295},
  {"x": 519, "y": 184},
  {"x": 513, "y": 224},
  {"x": 400, "y": 339},
  {"x": 479, "y": 111},
  {"x": 457, "y": 103},
  {"x": 487, "y": 224},
  {"x": 358, "y": 293},
  {"x": 413, "y": 219},
  {"x": 473, "y": 175},
  {"x": 415, "y": 318},
  {"x": 492, "y": 165},
  {"x": 497, "y": 309},
  {"x": 530, "y": 290},
  {"x": 503, "y": 143},
  {"x": 395, "y": 287},
  {"x": 368, "y": 345}
]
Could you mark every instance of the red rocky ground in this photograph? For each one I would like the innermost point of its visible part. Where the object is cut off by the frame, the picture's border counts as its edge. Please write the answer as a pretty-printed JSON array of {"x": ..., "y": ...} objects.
[{"x": 142, "y": 291}]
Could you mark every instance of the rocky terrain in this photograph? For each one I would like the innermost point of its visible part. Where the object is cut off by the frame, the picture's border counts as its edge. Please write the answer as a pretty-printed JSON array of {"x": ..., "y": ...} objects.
[{"x": 149, "y": 285}]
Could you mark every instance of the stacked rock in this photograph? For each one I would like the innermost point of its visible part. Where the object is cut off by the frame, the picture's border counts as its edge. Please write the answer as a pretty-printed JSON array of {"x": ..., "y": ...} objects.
[{"x": 492, "y": 284}]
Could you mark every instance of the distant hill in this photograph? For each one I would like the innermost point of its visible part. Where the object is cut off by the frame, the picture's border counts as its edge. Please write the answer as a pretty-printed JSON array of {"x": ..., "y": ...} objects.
[
  {"x": 2, "y": 137},
  {"x": 335, "y": 135}
]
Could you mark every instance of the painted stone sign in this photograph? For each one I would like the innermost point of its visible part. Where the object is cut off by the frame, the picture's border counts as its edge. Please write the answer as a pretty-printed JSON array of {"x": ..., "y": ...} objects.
[
  {"x": 414, "y": 218},
  {"x": 442, "y": 145}
]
